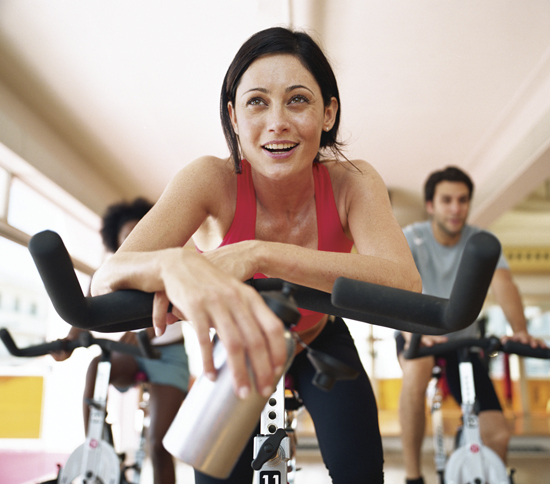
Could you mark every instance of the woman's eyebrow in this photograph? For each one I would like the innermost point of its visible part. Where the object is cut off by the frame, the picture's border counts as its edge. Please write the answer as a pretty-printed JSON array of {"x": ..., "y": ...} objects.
[
  {"x": 298, "y": 86},
  {"x": 257, "y": 89},
  {"x": 288, "y": 89}
]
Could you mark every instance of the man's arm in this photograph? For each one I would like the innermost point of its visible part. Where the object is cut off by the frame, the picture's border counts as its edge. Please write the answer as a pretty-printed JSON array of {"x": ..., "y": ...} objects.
[{"x": 508, "y": 297}]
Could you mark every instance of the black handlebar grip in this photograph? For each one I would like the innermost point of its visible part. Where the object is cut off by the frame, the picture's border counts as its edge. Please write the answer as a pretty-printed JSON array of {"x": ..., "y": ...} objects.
[
  {"x": 420, "y": 313},
  {"x": 525, "y": 350},
  {"x": 414, "y": 346},
  {"x": 414, "y": 350},
  {"x": 362, "y": 301},
  {"x": 475, "y": 273},
  {"x": 36, "y": 350},
  {"x": 117, "y": 311},
  {"x": 320, "y": 301}
]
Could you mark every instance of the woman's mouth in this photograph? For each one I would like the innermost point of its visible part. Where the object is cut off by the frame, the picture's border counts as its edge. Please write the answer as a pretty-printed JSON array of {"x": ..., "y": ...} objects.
[{"x": 276, "y": 148}]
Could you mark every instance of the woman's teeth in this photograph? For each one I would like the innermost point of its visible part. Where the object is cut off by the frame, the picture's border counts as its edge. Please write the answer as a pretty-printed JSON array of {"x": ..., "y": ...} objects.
[{"x": 279, "y": 147}]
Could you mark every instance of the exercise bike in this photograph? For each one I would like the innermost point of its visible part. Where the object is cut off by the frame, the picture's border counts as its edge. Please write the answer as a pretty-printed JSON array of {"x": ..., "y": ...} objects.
[
  {"x": 471, "y": 461},
  {"x": 357, "y": 300},
  {"x": 96, "y": 460}
]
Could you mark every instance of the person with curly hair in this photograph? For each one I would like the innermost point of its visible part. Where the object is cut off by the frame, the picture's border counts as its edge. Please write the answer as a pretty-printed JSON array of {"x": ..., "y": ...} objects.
[{"x": 168, "y": 376}]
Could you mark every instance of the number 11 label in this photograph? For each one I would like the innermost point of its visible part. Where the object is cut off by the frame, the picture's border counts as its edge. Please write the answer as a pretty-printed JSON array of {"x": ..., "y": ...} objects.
[{"x": 270, "y": 477}]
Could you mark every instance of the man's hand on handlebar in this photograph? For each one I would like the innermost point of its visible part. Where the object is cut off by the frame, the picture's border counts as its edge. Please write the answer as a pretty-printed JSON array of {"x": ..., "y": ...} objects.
[{"x": 525, "y": 338}]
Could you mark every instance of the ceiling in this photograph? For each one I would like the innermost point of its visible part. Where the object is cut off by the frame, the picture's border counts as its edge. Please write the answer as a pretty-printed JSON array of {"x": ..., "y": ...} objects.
[{"x": 132, "y": 86}]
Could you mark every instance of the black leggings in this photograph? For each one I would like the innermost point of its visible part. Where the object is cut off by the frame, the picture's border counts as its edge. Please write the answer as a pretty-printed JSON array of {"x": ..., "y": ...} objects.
[
  {"x": 346, "y": 418},
  {"x": 486, "y": 397}
]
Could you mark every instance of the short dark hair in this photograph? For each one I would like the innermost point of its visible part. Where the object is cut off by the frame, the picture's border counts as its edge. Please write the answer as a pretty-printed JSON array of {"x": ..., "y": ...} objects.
[
  {"x": 119, "y": 214},
  {"x": 451, "y": 174},
  {"x": 279, "y": 40}
]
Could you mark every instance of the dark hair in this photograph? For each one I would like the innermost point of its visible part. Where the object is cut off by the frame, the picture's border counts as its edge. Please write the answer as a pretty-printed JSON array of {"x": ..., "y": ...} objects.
[
  {"x": 278, "y": 40},
  {"x": 119, "y": 214},
  {"x": 451, "y": 174}
]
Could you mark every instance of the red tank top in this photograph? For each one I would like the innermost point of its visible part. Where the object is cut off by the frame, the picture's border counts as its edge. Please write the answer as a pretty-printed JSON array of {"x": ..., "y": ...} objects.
[{"x": 330, "y": 235}]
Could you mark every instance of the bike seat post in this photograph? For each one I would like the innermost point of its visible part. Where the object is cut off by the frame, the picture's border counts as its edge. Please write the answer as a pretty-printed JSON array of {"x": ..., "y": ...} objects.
[
  {"x": 435, "y": 400},
  {"x": 272, "y": 420}
]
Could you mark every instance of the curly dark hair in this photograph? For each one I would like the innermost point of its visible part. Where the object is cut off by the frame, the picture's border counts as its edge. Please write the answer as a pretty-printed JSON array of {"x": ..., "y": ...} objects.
[{"x": 119, "y": 214}]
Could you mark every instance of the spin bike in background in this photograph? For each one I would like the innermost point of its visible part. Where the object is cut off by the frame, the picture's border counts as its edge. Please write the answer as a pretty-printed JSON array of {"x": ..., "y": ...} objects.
[
  {"x": 471, "y": 461},
  {"x": 217, "y": 449},
  {"x": 95, "y": 461}
]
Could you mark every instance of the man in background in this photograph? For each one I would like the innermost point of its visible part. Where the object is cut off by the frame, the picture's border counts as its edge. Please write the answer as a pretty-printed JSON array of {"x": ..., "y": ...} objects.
[{"x": 437, "y": 246}]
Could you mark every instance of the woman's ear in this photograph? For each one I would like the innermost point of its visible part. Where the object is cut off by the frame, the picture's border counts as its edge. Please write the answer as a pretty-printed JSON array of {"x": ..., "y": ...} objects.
[
  {"x": 330, "y": 114},
  {"x": 233, "y": 117}
]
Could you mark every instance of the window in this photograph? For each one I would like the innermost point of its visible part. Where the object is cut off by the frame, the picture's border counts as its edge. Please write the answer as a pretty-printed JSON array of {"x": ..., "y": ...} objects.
[
  {"x": 4, "y": 181},
  {"x": 30, "y": 203}
]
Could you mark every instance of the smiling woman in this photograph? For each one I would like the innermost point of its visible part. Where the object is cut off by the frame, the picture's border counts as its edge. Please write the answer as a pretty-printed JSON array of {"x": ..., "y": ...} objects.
[
  {"x": 275, "y": 94},
  {"x": 281, "y": 207}
]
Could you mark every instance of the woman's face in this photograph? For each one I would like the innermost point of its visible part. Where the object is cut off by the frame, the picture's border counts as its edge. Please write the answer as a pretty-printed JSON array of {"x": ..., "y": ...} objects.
[{"x": 279, "y": 114}]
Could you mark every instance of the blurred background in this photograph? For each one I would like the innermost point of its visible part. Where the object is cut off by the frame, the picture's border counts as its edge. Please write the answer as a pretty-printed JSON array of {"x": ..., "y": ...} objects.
[{"x": 105, "y": 101}]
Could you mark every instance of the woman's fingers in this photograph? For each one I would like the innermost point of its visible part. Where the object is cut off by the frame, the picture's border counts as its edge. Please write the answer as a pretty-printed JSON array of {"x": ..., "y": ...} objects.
[
  {"x": 250, "y": 332},
  {"x": 202, "y": 328},
  {"x": 274, "y": 333},
  {"x": 160, "y": 309},
  {"x": 212, "y": 298}
]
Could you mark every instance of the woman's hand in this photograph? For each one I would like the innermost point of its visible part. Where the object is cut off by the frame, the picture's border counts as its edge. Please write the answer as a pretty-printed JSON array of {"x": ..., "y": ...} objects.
[
  {"x": 61, "y": 355},
  {"x": 129, "y": 338},
  {"x": 239, "y": 259},
  {"x": 209, "y": 297}
]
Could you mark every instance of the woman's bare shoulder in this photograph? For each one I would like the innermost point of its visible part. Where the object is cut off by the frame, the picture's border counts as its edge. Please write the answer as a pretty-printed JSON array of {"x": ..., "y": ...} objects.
[
  {"x": 210, "y": 168},
  {"x": 205, "y": 177},
  {"x": 352, "y": 173}
]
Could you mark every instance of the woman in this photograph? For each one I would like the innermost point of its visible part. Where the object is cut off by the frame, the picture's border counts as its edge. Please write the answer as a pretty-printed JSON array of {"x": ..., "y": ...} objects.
[{"x": 277, "y": 208}]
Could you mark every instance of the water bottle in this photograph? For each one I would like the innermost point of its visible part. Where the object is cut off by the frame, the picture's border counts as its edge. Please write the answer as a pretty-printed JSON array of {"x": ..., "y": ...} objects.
[{"x": 213, "y": 425}]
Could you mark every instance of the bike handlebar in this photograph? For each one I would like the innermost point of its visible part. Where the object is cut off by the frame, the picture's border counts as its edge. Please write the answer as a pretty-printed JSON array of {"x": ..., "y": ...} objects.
[
  {"x": 362, "y": 301},
  {"x": 490, "y": 344},
  {"x": 84, "y": 340}
]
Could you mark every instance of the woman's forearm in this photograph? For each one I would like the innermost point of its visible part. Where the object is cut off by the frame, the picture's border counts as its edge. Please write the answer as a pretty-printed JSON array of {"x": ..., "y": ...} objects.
[
  {"x": 319, "y": 269},
  {"x": 136, "y": 270}
]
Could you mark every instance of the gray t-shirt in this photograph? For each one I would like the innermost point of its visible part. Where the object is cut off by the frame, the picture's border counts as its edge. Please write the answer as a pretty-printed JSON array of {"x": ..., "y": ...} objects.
[{"x": 438, "y": 264}]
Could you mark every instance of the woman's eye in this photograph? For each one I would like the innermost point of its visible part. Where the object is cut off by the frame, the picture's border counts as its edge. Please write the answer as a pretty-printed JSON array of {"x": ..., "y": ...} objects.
[
  {"x": 255, "y": 102},
  {"x": 299, "y": 99}
]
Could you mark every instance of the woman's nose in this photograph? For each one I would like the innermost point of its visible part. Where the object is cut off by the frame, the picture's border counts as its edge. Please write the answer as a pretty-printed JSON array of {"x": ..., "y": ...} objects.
[{"x": 278, "y": 119}]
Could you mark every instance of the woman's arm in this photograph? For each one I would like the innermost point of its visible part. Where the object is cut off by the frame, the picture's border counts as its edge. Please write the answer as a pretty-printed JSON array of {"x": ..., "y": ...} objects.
[
  {"x": 152, "y": 259},
  {"x": 383, "y": 254}
]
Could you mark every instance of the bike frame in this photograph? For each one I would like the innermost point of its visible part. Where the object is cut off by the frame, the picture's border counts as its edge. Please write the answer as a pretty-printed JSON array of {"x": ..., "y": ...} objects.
[
  {"x": 472, "y": 461},
  {"x": 272, "y": 420},
  {"x": 96, "y": 459}
]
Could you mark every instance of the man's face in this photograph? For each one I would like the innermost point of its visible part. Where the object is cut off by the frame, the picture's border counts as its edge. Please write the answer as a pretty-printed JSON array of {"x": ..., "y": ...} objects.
[{"x": 449, "y": 207}]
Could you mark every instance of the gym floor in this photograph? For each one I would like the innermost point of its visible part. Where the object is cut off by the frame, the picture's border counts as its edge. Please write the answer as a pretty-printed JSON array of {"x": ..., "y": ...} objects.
[
  {"x": 532, "y": 467},
  {"x": 529, "y": 454}
]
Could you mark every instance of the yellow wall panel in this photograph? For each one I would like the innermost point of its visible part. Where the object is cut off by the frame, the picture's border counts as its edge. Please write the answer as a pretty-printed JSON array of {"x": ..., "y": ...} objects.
[{"x": 20, "y": 406}]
